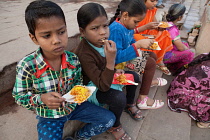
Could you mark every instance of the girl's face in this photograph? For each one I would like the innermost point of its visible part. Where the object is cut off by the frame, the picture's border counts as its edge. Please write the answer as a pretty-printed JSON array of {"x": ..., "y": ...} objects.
[
  {"x": 150, "y": 4},
  {"x": 97, "y": 31},
  {"x": 51, "y": 36},
  {"x": 132, "y": 22}
]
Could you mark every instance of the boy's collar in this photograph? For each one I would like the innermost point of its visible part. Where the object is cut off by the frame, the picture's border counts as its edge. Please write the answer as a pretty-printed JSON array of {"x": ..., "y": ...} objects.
[{"x": 42, "y": 65}]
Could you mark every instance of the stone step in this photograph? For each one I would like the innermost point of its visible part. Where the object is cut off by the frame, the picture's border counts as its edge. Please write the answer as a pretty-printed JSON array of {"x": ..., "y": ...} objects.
[
  {"x": 164, "y": 124},
  {"x": 132, "y": 126}
]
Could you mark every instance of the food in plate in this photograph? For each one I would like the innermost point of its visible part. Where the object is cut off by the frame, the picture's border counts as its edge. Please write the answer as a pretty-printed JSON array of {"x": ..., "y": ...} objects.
[
  {"x": 155, "y": 46},
  {"x": 164, "y": 25},
  {"x": 121, "y": 79},
  {"x": 81, "y": 93}
]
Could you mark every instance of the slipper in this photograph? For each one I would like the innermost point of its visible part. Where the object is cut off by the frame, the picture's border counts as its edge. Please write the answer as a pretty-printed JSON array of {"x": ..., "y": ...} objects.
[
  {"x": 202, "y": 126},
  {"x": 164, "y": 69},
  {"x": 134, "y": 114},
  {"x": 161, "y": 82},
  {"x": 143, "y": 104}
]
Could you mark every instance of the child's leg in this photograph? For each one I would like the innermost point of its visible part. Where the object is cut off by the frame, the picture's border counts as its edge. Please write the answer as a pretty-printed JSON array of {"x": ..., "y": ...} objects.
[
  {"x": 147, "y": 77},
  {"x": 97, "y": 118},
  {"x": 115, "y": 99},
  {"x": 50, "y": 129}
]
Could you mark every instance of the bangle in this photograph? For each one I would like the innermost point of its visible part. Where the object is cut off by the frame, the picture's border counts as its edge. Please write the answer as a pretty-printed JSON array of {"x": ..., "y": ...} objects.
[{"x": 136, "y": 30}]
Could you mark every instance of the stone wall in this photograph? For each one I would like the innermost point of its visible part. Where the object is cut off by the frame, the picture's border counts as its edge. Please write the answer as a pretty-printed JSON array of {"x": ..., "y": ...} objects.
[{"x": 202, "y": 45}]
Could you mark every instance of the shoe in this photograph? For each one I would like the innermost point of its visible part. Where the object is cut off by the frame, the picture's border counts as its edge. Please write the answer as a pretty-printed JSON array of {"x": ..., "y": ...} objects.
[
  {"x": 203, "y": 126},
  {"x": 117, "y": 129},
  {"x": 143, "y": 104},
  {"x": 134, "y": 114},
  {"x": 161, "y": 82}
]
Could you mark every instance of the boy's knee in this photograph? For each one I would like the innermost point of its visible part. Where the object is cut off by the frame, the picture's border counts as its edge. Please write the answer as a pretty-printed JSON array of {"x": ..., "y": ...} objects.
[{"x": 109, "y": 119}]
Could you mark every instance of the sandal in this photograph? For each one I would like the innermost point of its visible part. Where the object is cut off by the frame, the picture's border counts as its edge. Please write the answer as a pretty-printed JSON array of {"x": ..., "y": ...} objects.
[
  {"x": 164, "y": 69},
  {"x": 203, "y": 126},
  {"x": 143, "y": 104},
  {"x": 161, "y": 82},
  {"x": 137, "y": 115},
  {"x": 114, "y": 130}
]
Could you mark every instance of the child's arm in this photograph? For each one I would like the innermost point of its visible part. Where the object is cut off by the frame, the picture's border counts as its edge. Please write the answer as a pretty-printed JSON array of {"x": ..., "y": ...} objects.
[
  {"x": 144, "y": 43},
  {"x": 22, "y": 91},
  {"x": 148, "y": 26},
  {"x": 180, "y": 46}
]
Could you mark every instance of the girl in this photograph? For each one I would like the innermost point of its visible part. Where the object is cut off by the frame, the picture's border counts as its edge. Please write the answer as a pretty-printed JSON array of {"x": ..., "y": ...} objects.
[
  {"x": 132, "y": 12},
  {"x": 97, "y": 57},
  {"x": 190, "y": 90},
  {"x": 149, "y": 26},
  {"x": 181, "y": 53}
]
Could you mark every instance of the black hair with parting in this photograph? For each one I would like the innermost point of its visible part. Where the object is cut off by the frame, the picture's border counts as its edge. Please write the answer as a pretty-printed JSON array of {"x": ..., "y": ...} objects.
[
  {"x": 89, "y": 12},
  {"x": 41, "y": 9},
  {"x": 133, "y": 7}
]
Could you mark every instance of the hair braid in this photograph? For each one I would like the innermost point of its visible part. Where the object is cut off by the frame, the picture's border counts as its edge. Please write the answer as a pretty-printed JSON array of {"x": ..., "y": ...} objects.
[{"x": 117, "y": 13}]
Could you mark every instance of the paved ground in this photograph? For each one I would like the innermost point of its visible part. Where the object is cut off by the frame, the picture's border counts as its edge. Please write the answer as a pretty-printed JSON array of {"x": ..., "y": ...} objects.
[{"x": 20, "y": 124}]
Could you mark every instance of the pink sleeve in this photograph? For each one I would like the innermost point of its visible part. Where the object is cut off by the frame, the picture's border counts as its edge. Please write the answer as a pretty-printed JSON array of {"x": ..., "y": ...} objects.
[{"x": 174, "y": 32}]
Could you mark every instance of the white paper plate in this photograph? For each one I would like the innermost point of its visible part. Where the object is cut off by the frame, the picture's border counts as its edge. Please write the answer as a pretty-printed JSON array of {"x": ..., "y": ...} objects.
[{"x": 70, "y": 98}]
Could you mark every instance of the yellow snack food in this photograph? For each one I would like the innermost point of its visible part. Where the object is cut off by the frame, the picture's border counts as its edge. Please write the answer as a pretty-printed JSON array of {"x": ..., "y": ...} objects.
[
  {"x": 154, "y": 46},
  {"x": 81, "y": 93},
  {"x": 164, "y": 25},
  {"x": 121, "y": 79}
]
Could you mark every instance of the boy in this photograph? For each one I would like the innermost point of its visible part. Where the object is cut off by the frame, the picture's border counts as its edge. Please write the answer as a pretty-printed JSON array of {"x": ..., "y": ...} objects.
[{"x": 50, "y": 72}]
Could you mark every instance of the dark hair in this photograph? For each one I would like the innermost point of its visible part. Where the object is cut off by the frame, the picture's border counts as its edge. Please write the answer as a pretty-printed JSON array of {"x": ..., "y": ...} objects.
[
  {"x": 175, "y": 11},
  {"x": 41, "y": 9},
  {"x": 133, "y": 7},
  {"x": 197, "y": 60},
  {"x": 89, "y": 12}
]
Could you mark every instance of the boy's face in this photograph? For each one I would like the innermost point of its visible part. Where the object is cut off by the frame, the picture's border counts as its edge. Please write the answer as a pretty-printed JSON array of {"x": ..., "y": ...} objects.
[
  {"x": 150, "y": 4},
  {"x": 51, "y": 36},
  {"x": 96, "y": 31}
]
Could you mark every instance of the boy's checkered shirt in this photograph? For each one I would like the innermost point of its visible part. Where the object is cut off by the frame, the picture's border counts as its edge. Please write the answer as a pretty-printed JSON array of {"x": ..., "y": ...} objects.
[{"x": 35, "y": 77}]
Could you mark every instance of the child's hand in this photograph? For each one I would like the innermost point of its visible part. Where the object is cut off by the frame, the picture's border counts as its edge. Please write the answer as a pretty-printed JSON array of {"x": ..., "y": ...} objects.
[
  {"x": 52, "y": 99},
  {"x": 120, "y": 71},
  {"x": 110, "y": 52},
  {"x": 152, "y": 25},
  {"x": 144, "y": 43},
  {"x": 110, "y": 49}
]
